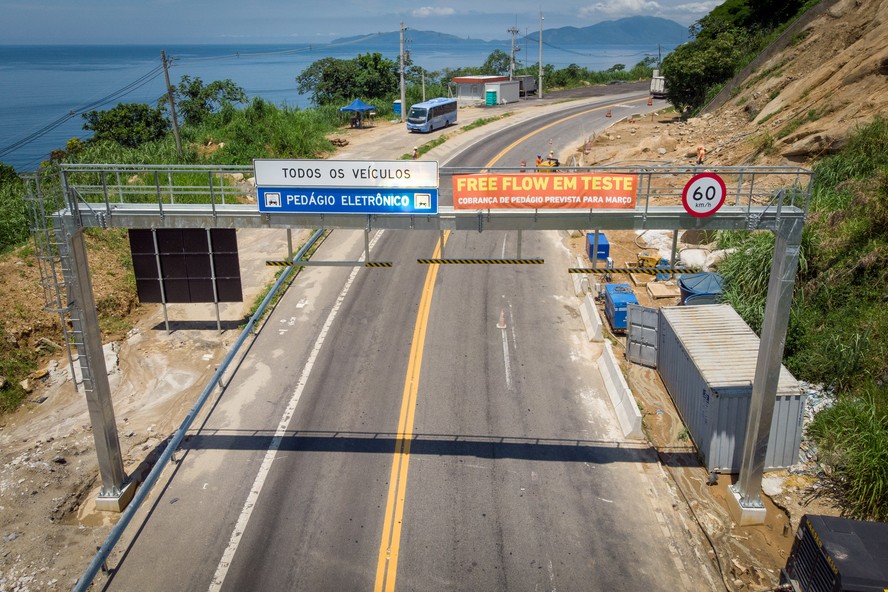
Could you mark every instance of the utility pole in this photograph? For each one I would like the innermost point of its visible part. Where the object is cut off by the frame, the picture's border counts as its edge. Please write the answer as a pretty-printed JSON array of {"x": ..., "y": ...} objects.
[
  {"x": 166, "y": 75},
  {"x": 513, "y": 30},
  {"x": 540, "y": 89},
  {"x": 403, "y": 91}
]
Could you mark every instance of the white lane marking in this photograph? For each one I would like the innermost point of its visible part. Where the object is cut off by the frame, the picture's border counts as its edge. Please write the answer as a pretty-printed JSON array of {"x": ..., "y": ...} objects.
[
  {"x": 552, "y": 576},
  {"x": 250, "y": 503},
  {"x": 506, "y": 359}
]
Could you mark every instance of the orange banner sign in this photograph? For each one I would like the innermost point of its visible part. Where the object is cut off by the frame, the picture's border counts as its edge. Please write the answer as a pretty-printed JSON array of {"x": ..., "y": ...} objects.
[{"x": 545, "y": 190}]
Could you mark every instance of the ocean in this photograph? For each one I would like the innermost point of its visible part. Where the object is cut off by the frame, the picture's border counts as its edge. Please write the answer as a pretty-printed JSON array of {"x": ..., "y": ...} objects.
[{"x": 44, "y": 89}]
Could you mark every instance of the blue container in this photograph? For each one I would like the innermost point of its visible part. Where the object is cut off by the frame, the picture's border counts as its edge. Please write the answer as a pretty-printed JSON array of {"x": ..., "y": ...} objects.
[
  {"x": 604, "y": 248},
  {"x": 396, "y": 107},
  {"x": 617, "y": 298}
]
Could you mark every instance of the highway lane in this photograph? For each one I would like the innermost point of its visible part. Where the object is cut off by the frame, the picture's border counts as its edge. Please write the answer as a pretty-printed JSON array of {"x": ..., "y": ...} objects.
[
  {"x": 341, "y": 353},
  {"x": 515, "y": 476},
  {"x": 527, "y": 484}
]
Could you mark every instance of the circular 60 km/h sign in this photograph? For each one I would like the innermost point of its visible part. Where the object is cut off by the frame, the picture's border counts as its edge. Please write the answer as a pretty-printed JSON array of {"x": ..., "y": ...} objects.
[{"x": 703, "y": 195}]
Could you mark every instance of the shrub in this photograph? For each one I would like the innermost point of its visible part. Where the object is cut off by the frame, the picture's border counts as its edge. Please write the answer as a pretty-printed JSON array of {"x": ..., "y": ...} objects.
[{"x": 853, "y": 440}]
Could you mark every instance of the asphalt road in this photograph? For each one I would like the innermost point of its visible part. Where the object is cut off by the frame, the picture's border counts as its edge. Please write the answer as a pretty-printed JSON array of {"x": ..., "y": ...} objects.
[{"x": 419, "y": 428}]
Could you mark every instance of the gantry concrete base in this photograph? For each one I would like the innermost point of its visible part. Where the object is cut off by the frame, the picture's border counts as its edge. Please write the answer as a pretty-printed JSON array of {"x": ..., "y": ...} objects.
[
  {"x": 745, "y": 514},
  {"x": 117, "y": 503}
]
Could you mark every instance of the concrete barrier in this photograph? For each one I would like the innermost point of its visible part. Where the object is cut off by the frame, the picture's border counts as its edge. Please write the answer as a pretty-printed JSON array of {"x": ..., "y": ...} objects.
[
  {"x": 619, "y": 393},
  {"x": 580, "y": 280},
  {"x": 591, "y": 319}
]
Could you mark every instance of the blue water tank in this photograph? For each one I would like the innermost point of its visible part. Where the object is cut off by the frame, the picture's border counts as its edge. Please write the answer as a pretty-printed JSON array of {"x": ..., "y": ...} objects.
[
  {"x": 604, "y": 248},
  {"x": 617, "y": 298},
  {"x": 700, "y": 288}
]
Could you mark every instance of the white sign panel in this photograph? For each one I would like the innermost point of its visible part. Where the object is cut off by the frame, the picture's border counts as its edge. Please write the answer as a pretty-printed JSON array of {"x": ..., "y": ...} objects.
[{"x": 411, "y": 174}]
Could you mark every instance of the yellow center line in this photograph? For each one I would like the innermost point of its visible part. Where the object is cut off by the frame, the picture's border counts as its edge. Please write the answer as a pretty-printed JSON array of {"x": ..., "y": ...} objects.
[{"x": 387, "y": 565}]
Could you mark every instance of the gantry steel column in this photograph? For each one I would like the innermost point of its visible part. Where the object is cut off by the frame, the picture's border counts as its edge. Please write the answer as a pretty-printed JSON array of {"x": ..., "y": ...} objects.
[
  {"x": 746, "y": 492},
  {"x": 115, "y": 492}
]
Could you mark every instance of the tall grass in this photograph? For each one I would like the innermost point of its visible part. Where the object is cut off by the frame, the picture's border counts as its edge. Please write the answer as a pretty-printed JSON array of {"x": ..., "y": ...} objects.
[
  {"x": 853, "y": 440},
  {"x": 264, "y": 130},
  {"x": 865, "y": 154}
]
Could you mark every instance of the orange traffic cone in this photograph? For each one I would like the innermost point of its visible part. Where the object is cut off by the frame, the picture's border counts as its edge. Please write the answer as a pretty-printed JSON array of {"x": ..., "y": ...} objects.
[{"x": 650, "y": 101}]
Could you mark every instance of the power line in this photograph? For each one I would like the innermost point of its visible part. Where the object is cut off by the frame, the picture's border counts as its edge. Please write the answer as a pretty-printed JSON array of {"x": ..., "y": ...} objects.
[{"x": 117, "y": 94}]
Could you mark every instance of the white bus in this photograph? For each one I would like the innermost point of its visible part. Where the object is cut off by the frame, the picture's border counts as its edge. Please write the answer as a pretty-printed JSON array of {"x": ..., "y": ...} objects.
[{"x": 431, "y": 115}]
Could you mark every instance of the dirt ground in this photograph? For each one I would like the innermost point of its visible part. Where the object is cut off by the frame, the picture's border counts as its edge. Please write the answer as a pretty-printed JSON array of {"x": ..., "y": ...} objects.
[{"x": 48, "y": 479}]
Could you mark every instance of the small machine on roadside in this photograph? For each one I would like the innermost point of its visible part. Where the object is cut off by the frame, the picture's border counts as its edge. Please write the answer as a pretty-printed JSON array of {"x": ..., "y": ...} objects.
[{"x": 833, "y": 554}]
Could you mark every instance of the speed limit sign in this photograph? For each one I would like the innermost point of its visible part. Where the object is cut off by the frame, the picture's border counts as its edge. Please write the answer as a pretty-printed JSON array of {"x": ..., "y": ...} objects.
[{"x": 703, "y": 195}]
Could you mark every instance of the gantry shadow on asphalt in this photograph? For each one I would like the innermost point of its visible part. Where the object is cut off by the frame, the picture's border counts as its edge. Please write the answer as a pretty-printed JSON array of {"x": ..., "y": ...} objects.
[{"x": 491, "y": 447}]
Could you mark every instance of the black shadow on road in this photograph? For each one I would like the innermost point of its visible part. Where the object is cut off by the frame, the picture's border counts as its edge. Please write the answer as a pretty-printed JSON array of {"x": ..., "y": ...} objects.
[{"x": 523, "y": 448}]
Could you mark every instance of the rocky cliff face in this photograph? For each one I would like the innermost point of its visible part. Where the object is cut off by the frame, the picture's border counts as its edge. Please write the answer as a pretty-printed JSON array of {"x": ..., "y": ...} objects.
[{"x": 802, "y": 102}]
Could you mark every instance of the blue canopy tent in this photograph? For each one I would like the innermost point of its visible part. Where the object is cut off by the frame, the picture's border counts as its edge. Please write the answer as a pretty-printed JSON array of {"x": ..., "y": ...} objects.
[{"x": 358, "y": 108}]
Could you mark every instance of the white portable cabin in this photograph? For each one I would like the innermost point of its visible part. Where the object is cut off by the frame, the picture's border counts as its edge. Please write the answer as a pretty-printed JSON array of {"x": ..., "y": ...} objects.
[
  {"x": 506, "y": 92},
  {"x": 472, "y": 88}
]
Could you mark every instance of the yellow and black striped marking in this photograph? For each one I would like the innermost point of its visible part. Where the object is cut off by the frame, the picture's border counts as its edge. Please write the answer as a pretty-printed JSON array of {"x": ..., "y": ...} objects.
[
  {"x": 286, "y": 263},
  {"x": 647, "y": 270},
  {"x": 480, "y": 261}
]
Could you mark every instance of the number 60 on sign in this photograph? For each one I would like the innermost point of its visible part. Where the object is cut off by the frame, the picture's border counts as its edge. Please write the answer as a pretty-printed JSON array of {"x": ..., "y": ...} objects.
[{"x": 703, "y": 195}]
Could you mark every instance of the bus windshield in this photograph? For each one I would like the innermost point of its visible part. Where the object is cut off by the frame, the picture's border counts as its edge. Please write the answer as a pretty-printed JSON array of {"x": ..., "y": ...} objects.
[{"x": 417, "y": 114}]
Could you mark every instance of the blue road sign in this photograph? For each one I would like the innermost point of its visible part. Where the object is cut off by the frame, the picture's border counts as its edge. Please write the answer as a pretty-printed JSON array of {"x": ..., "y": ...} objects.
[
  {"x": 347, "y": 186},
  {"x": 344, "y": 200}
]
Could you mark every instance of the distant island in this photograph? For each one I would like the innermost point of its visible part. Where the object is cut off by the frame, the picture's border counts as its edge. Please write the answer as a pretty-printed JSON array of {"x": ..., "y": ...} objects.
[{"x": 633, "y": 30}]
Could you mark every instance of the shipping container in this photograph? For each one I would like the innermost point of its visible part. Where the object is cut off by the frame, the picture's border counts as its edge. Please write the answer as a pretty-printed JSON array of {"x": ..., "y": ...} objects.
[
  {"x": 706, "y": 356},
  {"x": 617, "y": 298}
]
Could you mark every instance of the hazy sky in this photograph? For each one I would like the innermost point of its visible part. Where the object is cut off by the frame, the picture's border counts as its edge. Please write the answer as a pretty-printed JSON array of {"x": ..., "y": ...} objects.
[{"x": 258, "y": 21}]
